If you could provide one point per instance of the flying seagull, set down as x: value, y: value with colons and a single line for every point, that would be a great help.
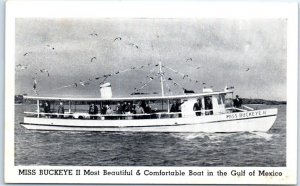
x: 247, y: 69
x: 93, y: 34
x: 185, y: 76
x: 45, y: 70
x: 118, y: 38
x: 51, y: 47
x: 22, y: 67
x: 34, y: 87
x: 134, y: 45
x: 27, y: 53
x: 189, y: 59
x: 93, y: 58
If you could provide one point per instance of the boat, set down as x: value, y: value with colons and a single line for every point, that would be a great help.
x: 217, y: 113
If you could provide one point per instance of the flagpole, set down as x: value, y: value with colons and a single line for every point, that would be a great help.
x: 161, y: 80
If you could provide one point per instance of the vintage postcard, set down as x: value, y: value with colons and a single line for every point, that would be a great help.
x: 128, y: 92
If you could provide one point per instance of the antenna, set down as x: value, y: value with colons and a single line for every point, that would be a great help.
x: 161, y: 80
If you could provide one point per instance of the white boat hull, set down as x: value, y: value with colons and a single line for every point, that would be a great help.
x: 258, y: 120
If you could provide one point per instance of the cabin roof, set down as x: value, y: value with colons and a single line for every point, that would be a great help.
x: 127, y: 98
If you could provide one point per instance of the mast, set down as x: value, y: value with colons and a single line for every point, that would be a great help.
x: 161, y: 80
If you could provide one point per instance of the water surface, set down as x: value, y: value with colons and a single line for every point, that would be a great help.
x: 62, y: 148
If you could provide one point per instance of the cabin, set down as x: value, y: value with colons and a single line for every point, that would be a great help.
x: 213, y: 103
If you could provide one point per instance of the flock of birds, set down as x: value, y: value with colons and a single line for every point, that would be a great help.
x: 93, y: 59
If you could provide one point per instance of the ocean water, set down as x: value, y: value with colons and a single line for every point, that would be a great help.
x: 63, y: 148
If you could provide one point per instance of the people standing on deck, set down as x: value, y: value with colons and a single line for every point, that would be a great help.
x: 143, y: 105
x: 147, y: 109
x: 119, y: 110
x: 109, y: 111
x: 175, y: 107
x: 139, y: 110
x: 124, y: 105
x: 208, y: 106
x: 128, y: 108
x: 103, y: 110
x: 93, y: 110
x: 61, y: 110
x: 197, y: 107
x: 237, y: 102
x: 47, y: 108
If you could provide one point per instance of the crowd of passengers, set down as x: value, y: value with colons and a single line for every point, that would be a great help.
x: 124, y: 108
x: 141, y: 108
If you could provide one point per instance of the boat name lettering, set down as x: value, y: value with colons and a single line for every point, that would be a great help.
x: 246, y: 114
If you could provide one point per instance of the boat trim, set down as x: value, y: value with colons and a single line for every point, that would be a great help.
x: 147, y: 125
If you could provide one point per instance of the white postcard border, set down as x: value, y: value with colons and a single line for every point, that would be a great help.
x: 177, y: 9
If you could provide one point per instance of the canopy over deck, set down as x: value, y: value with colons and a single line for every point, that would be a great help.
x: 127, y: 98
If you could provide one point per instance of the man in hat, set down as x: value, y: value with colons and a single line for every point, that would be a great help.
x: 237, y: 102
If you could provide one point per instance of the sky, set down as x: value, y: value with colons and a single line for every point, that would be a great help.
x: 249, y: 54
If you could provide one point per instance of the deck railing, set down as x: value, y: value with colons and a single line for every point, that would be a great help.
x: 85, y: 115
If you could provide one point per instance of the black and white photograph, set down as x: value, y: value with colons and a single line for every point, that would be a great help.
x: 169, y: 92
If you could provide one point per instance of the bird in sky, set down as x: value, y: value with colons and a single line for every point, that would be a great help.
x: 94, y: 34
x: 34, y: 84
x: 27, y: 53
x: 22, y: 67
x: 185, y: 76
x: 75, y: 84
x: 198, y: 67
x: 50, y: 47
x: 189, y: 59
x: 118, y: 38
x: 134, y: 45
x: 93, y: 58
x: 247, y: 69
x: 45, y: 70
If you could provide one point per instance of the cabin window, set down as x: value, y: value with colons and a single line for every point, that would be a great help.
x: 221, y: 99
x: 228, y: 101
